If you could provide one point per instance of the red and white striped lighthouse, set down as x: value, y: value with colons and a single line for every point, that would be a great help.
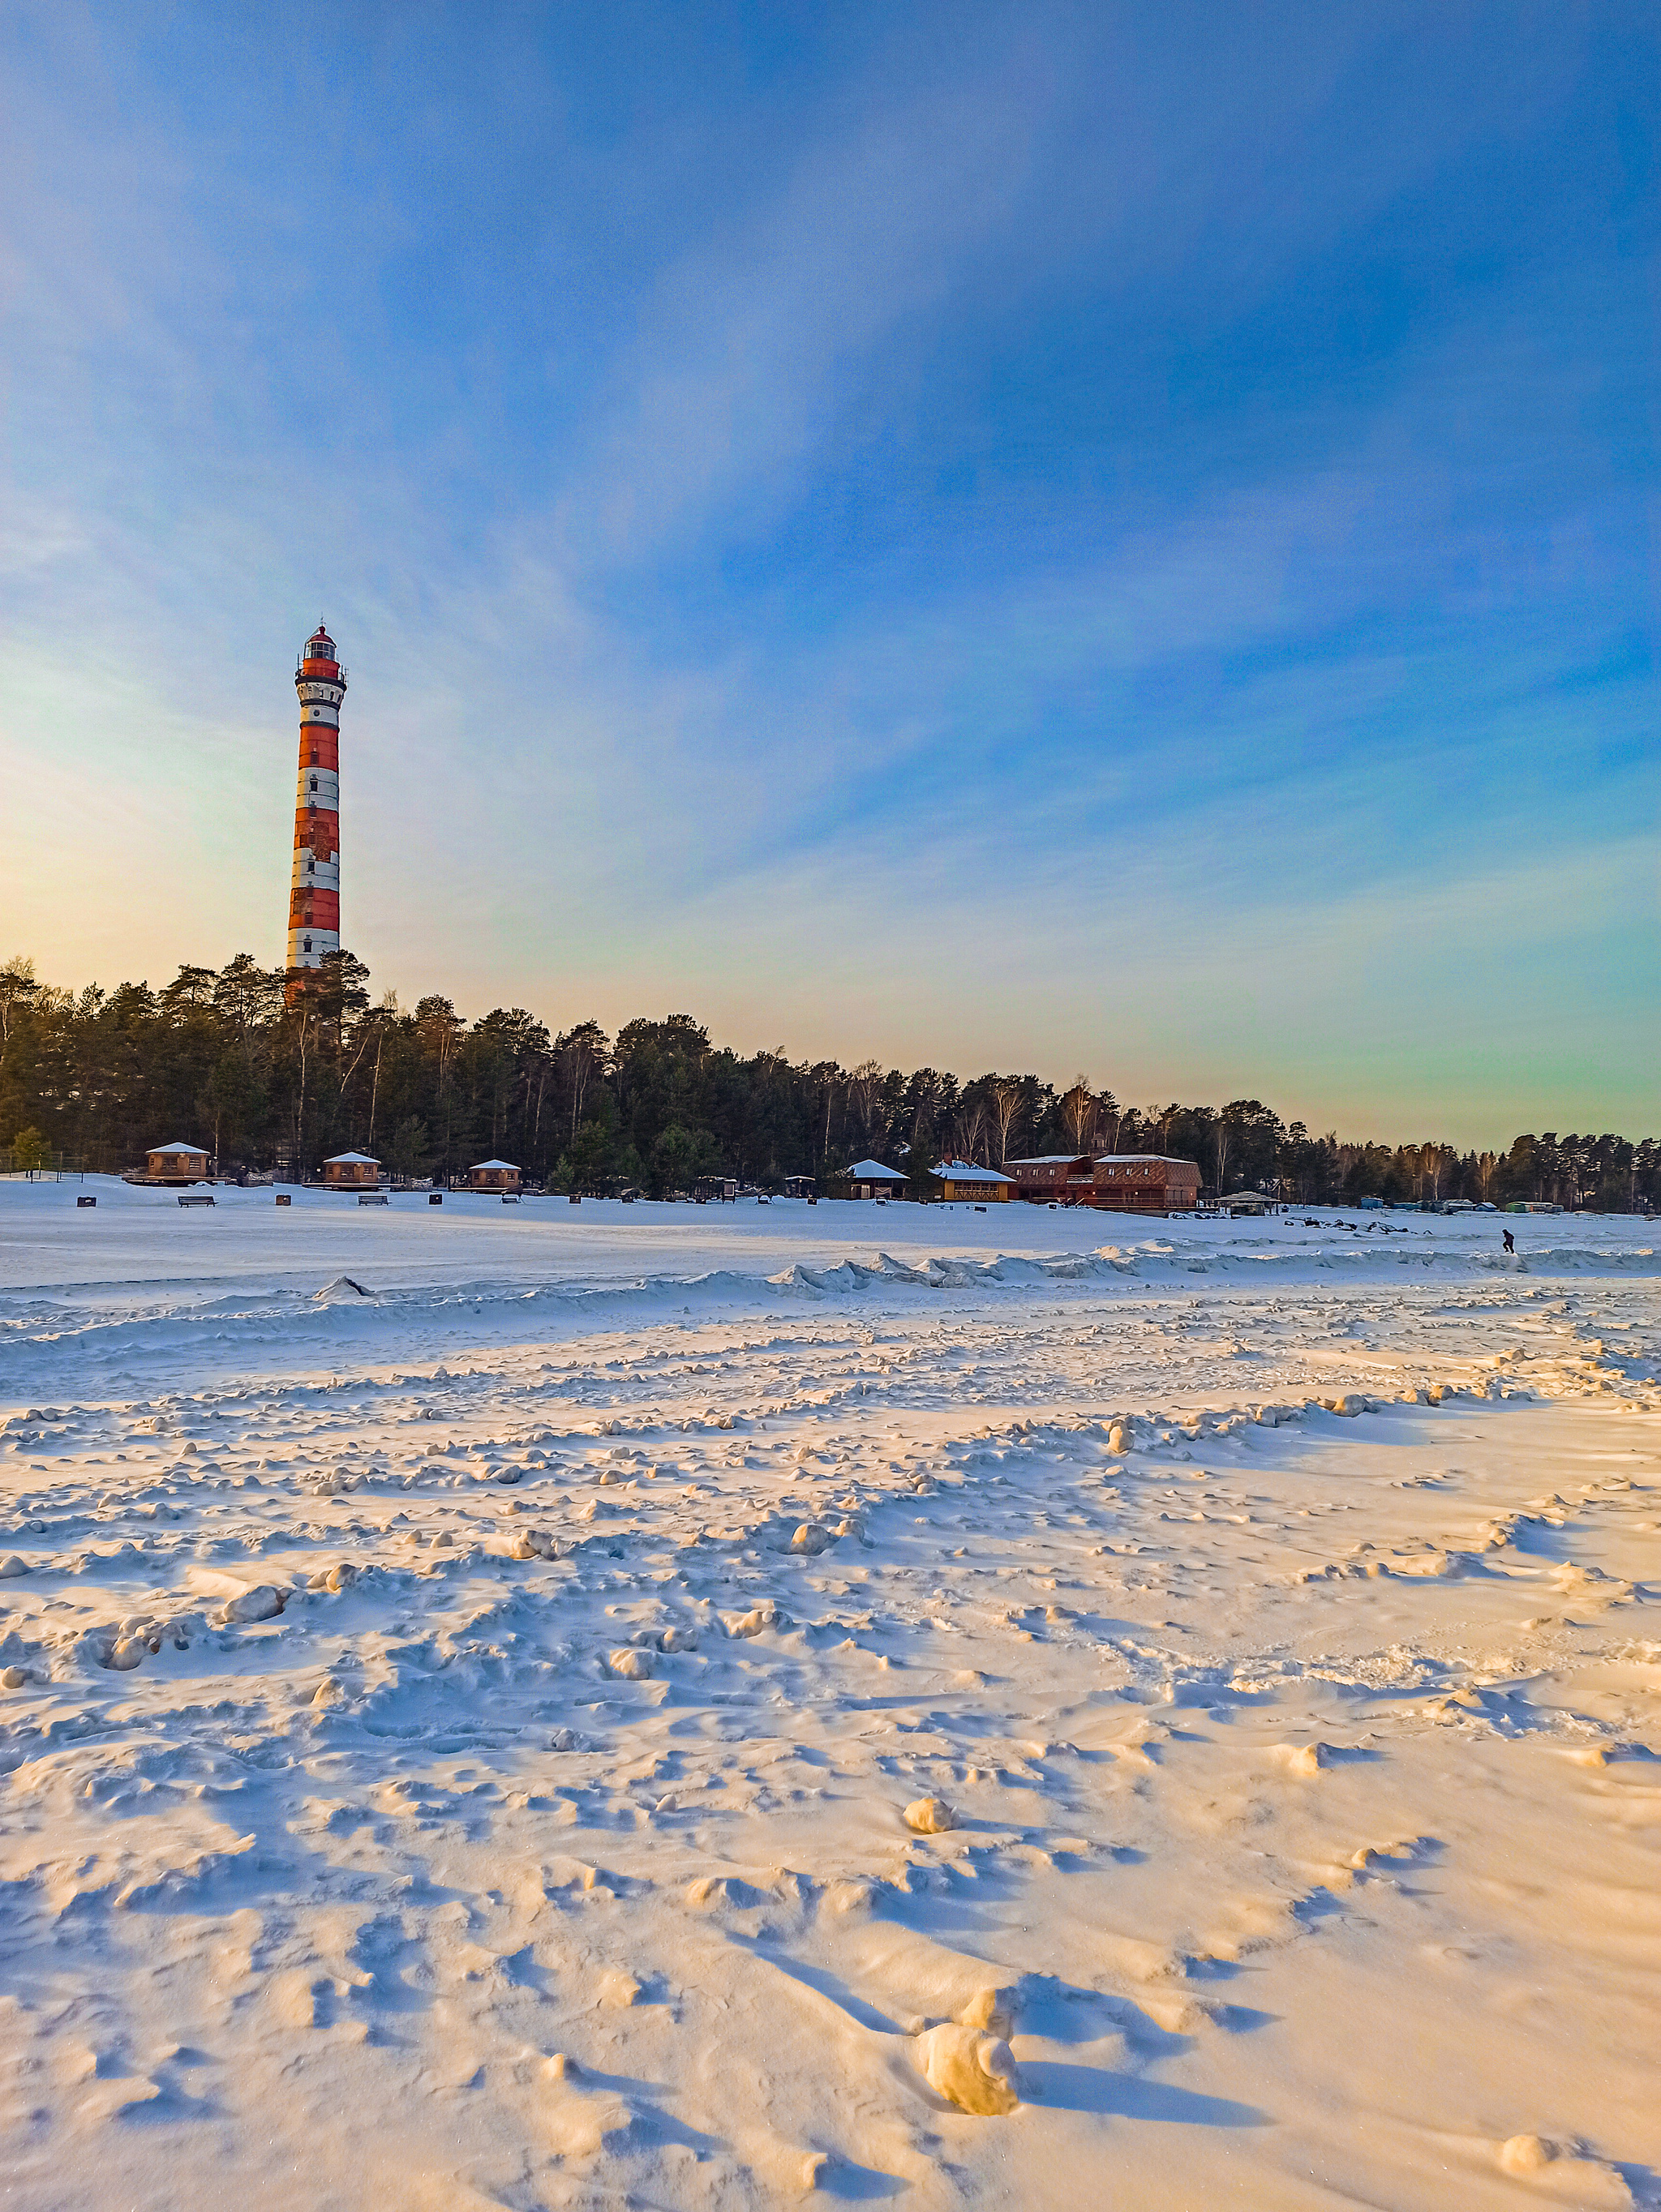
x: 315, y: 895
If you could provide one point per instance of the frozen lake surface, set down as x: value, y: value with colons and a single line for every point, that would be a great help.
x: 466, y: 1668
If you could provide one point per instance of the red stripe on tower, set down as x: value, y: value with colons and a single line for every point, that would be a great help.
x: 315, y: 889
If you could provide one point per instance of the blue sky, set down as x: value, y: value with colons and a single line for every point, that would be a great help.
x: 1105, y: 539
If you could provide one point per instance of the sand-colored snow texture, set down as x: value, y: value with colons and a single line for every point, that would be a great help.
x: 553, y: 1706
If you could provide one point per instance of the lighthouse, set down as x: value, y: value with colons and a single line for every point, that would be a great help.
x: 314, y: 892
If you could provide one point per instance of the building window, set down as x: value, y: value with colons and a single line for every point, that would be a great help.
x: 308, y: 944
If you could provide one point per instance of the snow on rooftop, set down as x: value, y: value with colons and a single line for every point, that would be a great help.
x: 873, y: 1171
x: 479, y: 1166
x: 351, y: 1159
x: 962, y: 1171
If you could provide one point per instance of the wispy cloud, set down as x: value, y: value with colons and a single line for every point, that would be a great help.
x: 1010, y: 490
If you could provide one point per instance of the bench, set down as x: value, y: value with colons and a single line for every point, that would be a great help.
x: 207, y: 1200
x: 373, y: 1198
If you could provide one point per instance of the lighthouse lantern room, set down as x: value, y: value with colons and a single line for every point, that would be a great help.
x: 314, y: 892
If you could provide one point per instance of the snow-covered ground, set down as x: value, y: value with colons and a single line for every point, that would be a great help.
x: 466, y: 1669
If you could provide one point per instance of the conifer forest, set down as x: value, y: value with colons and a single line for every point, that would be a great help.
x: 265, y: 1079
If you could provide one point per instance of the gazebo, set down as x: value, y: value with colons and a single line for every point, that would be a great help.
x: 870, y: 1179
x: 351, y: 1171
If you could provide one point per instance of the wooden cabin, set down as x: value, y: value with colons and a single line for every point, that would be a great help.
x: 492, y: 1174
x: 351, y: 1171
x: 176, y: 1163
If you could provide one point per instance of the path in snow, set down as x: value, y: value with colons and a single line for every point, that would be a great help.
x: 456, y: 1735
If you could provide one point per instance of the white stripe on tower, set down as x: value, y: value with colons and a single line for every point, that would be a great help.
x: 314, y: 884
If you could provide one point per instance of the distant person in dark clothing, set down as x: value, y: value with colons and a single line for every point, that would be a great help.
x: 1511, y: 1244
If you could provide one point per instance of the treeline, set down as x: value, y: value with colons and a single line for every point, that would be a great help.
x: 223, y: 1059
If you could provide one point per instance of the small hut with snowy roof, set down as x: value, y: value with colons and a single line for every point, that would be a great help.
x: 178, y: 1163
x: 492, y: 1174
x: 351, y: 1171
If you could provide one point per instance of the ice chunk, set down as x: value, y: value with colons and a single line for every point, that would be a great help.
x: 972, y: 2069
x: 262, y: 1602
x: 753, y: 1622
x: 990, y: 2010
x: 1308, y: 1758
x: 1526, y: 2153
x: 930, y: 1816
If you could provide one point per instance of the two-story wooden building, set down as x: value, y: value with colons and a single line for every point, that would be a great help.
x: 1052, y: 1178
x: 1144, y: 1183
x: 1121, y: 1183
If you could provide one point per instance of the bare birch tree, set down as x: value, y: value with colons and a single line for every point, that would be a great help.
x: 1006, y: 1106
x: 581, y: 1053
x: 864, y: 1088
x: 969, y: 1130
x: 1079, y: 1109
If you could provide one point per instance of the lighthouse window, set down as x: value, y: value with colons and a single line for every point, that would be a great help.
x: 314, y: 783
x: 308, y: 945
x: 311, y: 867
